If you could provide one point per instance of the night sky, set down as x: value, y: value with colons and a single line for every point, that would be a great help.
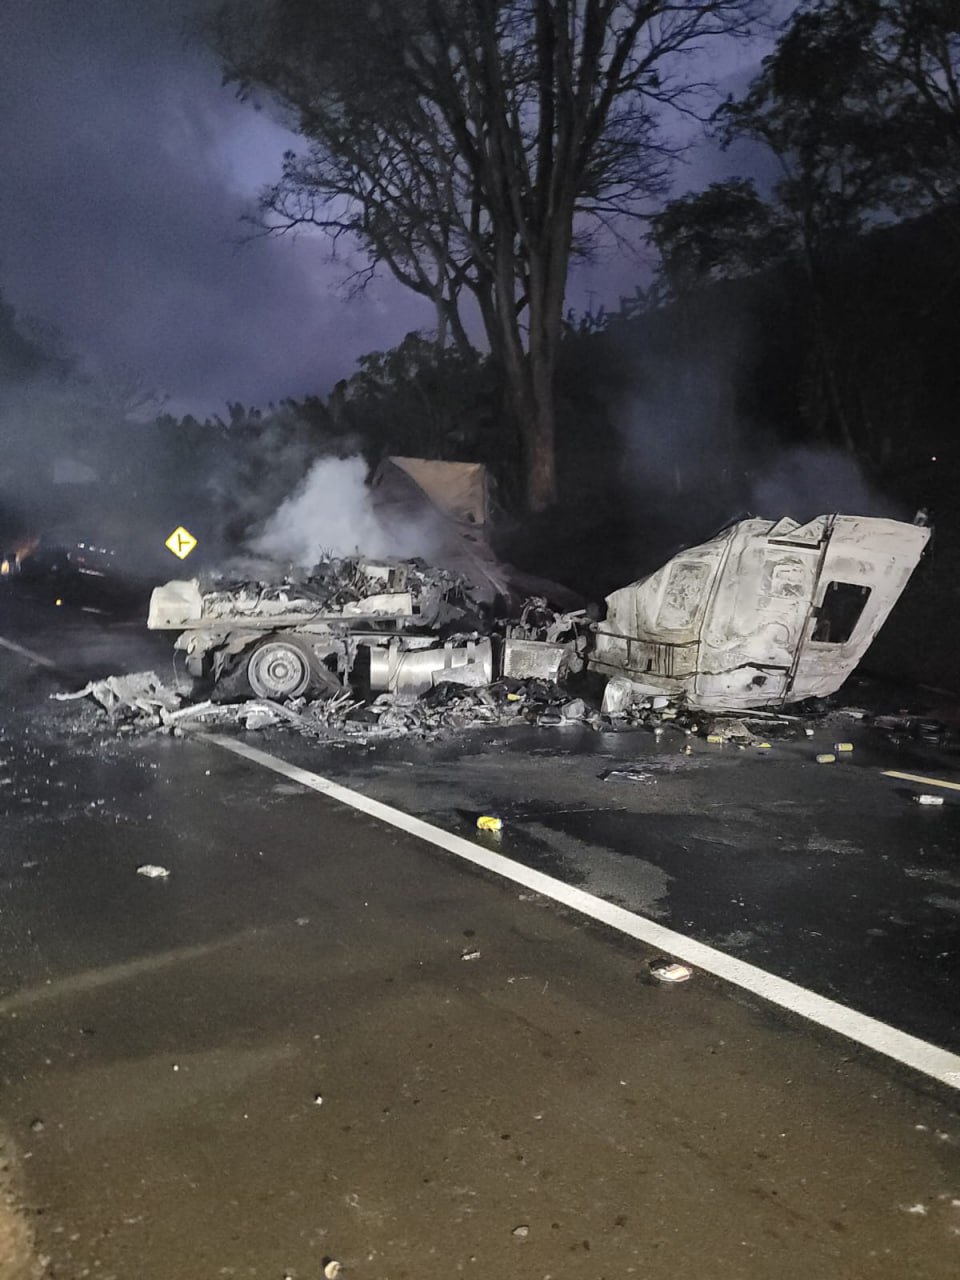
x: 126, y: 169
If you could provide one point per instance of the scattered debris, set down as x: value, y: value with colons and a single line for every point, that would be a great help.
x: 928, y: 799
x: 665, y: 970
x: 826, y: 757
x: 521, y: 1232
x: 840, y: 747
x: 141, y: 691
x: 471, y: 954
x: 487, y: 822
x: 731, y: 729
x: 931, y: 731
x: 153, y: 872
x: 332, y: 1268
x: 628, y: 775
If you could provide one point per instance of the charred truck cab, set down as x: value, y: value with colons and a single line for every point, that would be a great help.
x: 767, y: 612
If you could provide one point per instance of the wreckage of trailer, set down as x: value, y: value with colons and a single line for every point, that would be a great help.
x: 389, y: 626
x: 765, y: 613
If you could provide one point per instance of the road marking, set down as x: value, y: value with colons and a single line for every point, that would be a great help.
x: 922, y: 1056
x: 921, y: 780
x: 36, y: 658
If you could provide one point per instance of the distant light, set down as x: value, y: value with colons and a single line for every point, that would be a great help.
x: 58, y: 602
x: 934, y: 458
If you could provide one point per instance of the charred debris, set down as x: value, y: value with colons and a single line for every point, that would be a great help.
x: 765, y: 615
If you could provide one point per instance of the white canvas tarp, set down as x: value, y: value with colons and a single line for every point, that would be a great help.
x: 459, y: 490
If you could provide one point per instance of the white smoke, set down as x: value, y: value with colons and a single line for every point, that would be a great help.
x: 804, y: 483
x: 332, y: 513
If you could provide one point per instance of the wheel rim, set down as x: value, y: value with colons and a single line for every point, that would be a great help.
x: 278, y: 671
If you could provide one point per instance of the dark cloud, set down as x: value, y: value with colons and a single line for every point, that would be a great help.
x: 126, y: 168
x: 125, y: 171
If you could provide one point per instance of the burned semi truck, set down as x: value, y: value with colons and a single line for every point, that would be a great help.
x: 395, y: 626
x: 765, y: 613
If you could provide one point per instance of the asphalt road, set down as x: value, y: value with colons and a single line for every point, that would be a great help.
x: 830, y: 876
x: 280, y: 1055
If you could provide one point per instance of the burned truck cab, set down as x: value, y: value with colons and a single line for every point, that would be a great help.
x: 767, y: 612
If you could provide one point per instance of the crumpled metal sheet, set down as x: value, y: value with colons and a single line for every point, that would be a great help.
x: 141, y: 691
x: 767, y: 612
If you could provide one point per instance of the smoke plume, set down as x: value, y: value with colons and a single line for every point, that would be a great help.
x: 804, y: 483
x: 332, y: 513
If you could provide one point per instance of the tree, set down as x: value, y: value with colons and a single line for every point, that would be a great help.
x: 474, y: 147
x: 860, y: 104
x: 726, y: 231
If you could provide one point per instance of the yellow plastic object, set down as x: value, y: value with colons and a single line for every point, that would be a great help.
x: 715, y: 738
x: 488, y: 823
x: 826, y: 757
x: 843, y: 746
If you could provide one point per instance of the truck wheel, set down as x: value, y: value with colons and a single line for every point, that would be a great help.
x: 286, y: 667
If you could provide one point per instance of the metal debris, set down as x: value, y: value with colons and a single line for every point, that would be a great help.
x: 142, y: 691
x: 671, y: 971
x: 153, y: 872
x: 628, y: 775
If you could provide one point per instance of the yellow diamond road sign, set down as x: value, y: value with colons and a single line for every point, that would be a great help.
x: 181, y: 542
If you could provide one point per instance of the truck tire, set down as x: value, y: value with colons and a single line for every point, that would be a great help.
x: 283, y: 667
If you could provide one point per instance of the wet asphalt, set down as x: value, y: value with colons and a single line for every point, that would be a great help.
x: 830, y: 876
x: 280, y: 1055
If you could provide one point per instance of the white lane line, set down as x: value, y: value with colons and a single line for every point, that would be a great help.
x: 37, y: 658
x: 921, y: 780
x: 927, y: 1058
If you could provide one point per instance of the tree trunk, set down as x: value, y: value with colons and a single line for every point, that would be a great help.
x: 541, y: 452
x: 540, y: 432
x: 548, y: 278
